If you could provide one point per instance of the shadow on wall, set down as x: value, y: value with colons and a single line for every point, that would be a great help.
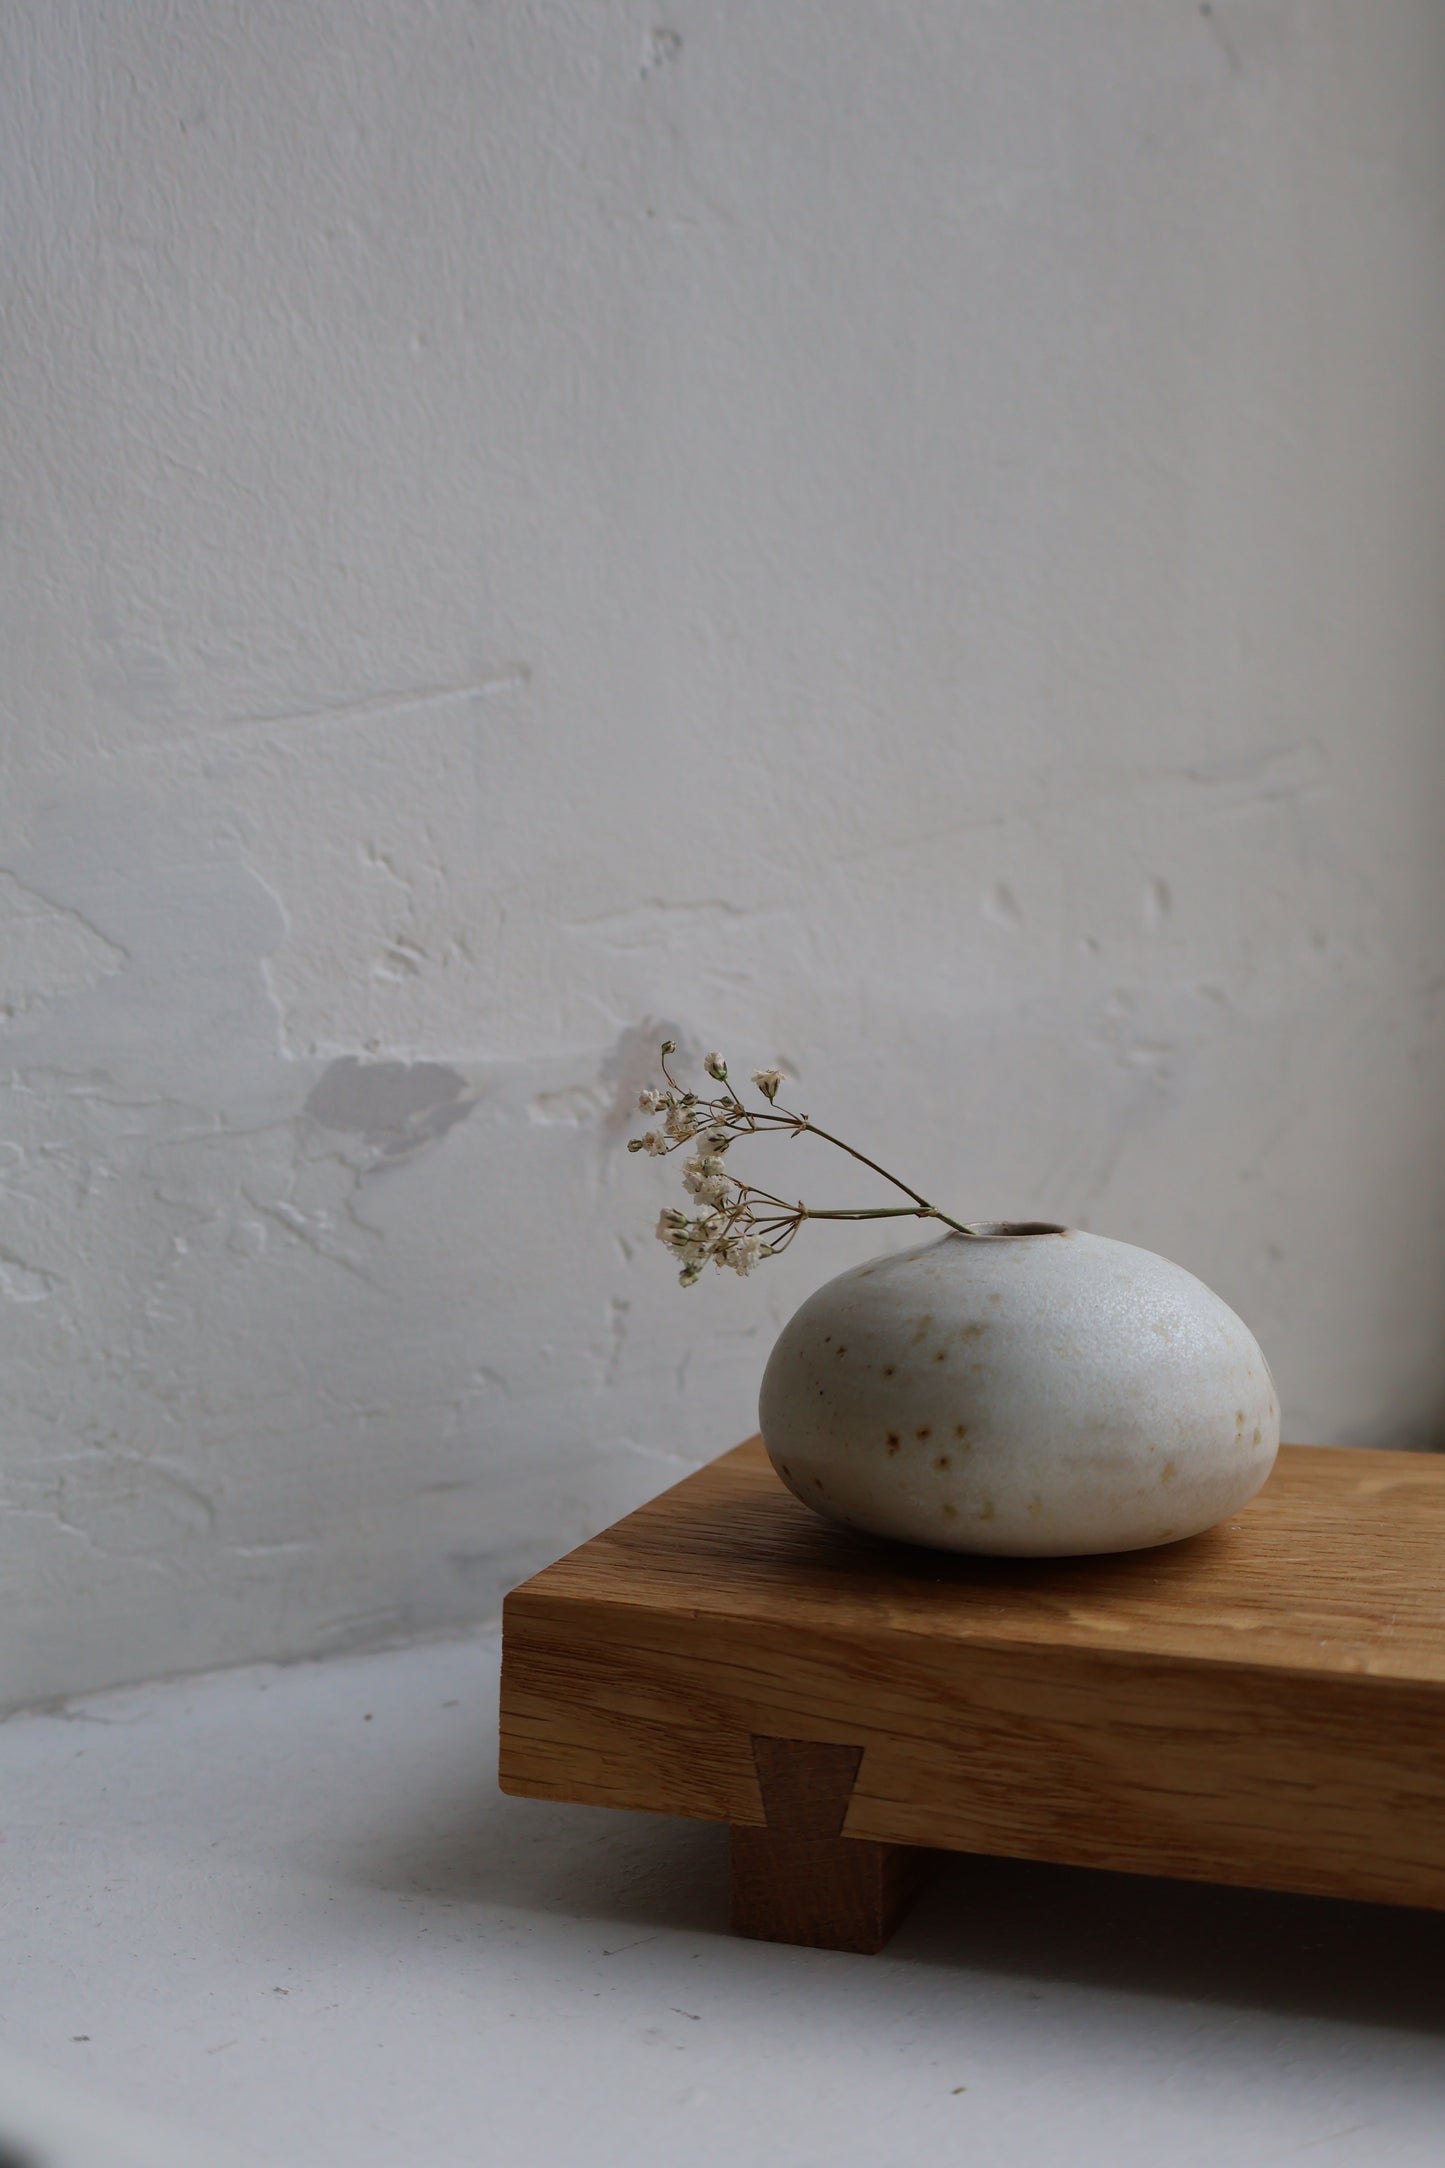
x: 395, y: 1107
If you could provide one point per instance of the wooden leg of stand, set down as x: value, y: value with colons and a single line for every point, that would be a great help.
x: 846, y: 1893
x: 799, y: 1880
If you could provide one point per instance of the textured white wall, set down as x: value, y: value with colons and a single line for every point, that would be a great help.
x: 905, y: 538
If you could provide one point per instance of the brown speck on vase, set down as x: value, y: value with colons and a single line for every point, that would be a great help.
x: 960, y: 1430
x: 817, y: 1482
x: 941, y: 1355
x: 973, y: 1332
x: 1036, y: 1506
x: 1256, y: 1433
x: 842, y: 1351
x: 1168, y: 1472
x: 943, y: 1461
x: 950, y: 1513
x: 888, y: 1369
x: 893, y: 1441
x: 986, y: 1510
x: 925, y: 1432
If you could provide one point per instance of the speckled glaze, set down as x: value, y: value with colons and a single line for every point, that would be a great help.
x: 1037, y: 1393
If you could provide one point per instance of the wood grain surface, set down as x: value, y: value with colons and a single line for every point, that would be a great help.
x: 1263, y: 1704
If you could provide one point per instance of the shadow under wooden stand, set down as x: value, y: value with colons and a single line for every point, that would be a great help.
x: 1262, y: 1705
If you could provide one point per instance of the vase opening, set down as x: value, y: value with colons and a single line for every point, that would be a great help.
x: 996, y: 1230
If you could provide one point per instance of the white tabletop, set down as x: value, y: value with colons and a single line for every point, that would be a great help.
x: 286, y: 1910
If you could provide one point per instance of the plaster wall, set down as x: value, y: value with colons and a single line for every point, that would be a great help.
x: 905, y: 539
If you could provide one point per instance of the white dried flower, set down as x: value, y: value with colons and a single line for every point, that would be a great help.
x: 651, y: 1102
x: 713, y: 1186
x: 689, y: 1275
x: 716, y: 1067
x: 681, y: 1124
x: 671, y: 1226
x: 716, y: 1139
x: 701, y: 1170
x: 654, y: 1143
x: 767, y: 1081
x: 744, y: 1252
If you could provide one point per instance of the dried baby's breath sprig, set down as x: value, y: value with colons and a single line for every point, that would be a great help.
x: 735, y: 1223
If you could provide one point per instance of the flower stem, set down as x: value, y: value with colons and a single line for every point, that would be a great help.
x: 887, y: 1211
x: 779, y: 1118
x: 925, y: 1209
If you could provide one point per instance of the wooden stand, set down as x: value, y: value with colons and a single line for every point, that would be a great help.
x: 1262, y: 1705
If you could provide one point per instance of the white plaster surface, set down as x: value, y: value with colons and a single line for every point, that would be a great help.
x: 289, y: 1910
x: 905, y: 539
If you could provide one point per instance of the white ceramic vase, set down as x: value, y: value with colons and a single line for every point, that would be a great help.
x: 1031, y: 1391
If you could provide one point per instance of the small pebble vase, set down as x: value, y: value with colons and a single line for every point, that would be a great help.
x: 1027, y: 1390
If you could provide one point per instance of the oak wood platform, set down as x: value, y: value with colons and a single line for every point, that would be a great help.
x: 1264, y: 1704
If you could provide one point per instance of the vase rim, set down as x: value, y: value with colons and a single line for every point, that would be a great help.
x: 1007, y: 1230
